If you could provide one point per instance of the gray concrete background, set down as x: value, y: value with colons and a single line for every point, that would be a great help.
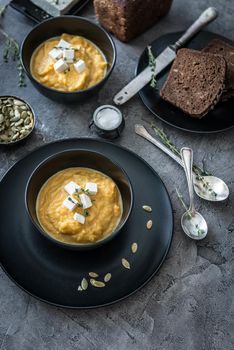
x: 189, y: 304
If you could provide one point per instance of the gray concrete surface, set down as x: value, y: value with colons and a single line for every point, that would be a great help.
x: 189, y: 304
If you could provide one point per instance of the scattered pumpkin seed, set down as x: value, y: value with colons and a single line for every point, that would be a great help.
x: 149, y: 224
x: 134, y: 247
x: 107, y: 277
x: 93, y: 274
x: 84, y: 284
x: 126, y: 263
x: 147, y: 208
x: 98, y: 284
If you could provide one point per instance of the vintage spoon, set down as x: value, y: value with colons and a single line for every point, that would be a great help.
x: 216, y: 190
x: 192, y: 222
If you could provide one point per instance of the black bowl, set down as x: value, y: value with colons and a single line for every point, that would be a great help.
x: 78, y: 158
x: 71, y: 25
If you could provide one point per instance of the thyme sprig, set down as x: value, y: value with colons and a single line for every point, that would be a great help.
x: 152, y: 65
x: 199, y: 172
x: 11, y: 51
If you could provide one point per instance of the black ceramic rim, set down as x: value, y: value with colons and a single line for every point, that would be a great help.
x: 147, y: 280
x: 143, y: 95
x: 69, y: 92
x: 84, y: 245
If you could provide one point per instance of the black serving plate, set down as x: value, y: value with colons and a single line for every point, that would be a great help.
x: 53, y: 274
x: 221, y: 118
x: 38, y: 15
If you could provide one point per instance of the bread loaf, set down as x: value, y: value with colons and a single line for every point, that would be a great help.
x: 219, y: 47
x: 128, y: 18
x: 195, y: 82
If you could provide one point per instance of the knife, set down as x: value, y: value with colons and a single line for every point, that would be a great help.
x: 165, y: 58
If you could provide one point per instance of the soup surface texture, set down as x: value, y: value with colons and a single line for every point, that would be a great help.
x: 101, y: 218
x: 92, y: 70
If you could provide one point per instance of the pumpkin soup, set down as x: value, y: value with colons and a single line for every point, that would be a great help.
x: 79, y: 205
x: 68, y: 63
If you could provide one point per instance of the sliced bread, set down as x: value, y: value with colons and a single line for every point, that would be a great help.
x: 195, y: 82
x: 218, y: 46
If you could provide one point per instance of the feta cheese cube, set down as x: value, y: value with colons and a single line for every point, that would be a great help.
x: 79, y: 218
x: 72, y: 188
x: 80, y: 66
x: 85, y: 200
x: 70, y: 203
x: 68, y: 55
x: 60, y: 66
x: 63, y: 44
x: 91, y: 187
x: 55, y: 53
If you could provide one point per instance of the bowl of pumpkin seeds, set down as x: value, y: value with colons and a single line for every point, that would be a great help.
x: 17, y: 120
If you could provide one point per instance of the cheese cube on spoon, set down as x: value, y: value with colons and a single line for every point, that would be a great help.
x: 55, y: 53
x: 68, y: 55
x: 72, y: 188
x: 63, y: 44
x: 80, y: 66
x: 79, y: 218
x: 91, y: 187
x: 85, y: 200
x: 70, y: 203
x: 60, y: 66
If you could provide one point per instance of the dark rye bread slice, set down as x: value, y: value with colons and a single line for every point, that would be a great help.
x: 219, y: 47
x: 195, y: 82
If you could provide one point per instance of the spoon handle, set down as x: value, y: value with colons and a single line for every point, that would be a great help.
x: 140, y: 130
x: 187, y: 158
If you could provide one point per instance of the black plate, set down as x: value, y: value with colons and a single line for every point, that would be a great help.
x: 38, y: 15
x: 52, y: 274
x: 221, y: 118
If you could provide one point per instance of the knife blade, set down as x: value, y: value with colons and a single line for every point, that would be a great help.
x: 166, y: 57
x: 163, y: 60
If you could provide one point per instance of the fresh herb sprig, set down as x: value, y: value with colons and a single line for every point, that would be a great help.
x: 199, y: 172
x: 152, y: 65
x: 11, y: 51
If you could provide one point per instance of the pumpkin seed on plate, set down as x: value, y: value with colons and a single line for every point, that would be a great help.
x: 126, y: 263
x: 97, y: 284
x: 107, y: 277
x: 149, y: 224
x: 93, y: 274
x: 84, y: 284
x: 134, y: 248
x: 147, y: 208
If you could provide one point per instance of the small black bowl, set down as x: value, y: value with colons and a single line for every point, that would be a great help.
x: 76, y: 26
x: 78, y: 158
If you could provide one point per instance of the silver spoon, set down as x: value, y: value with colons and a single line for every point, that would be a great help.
x: 192, y: 222
x: 216, y: 190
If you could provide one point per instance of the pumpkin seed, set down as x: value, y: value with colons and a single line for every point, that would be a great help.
x: 149, y: 224
x: 107, y: 277
x: 18, y: 103
x: 84, y: 284
x: 97, y: 284
x: 24, y: 114
x: 147, y: 208
x: 15, y: 136
x: 134, y: 248
x: 1, y: 119
x: 126, y: 263
x: 93, y: 274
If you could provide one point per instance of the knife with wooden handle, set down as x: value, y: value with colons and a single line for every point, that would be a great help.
x: 165, y: 58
